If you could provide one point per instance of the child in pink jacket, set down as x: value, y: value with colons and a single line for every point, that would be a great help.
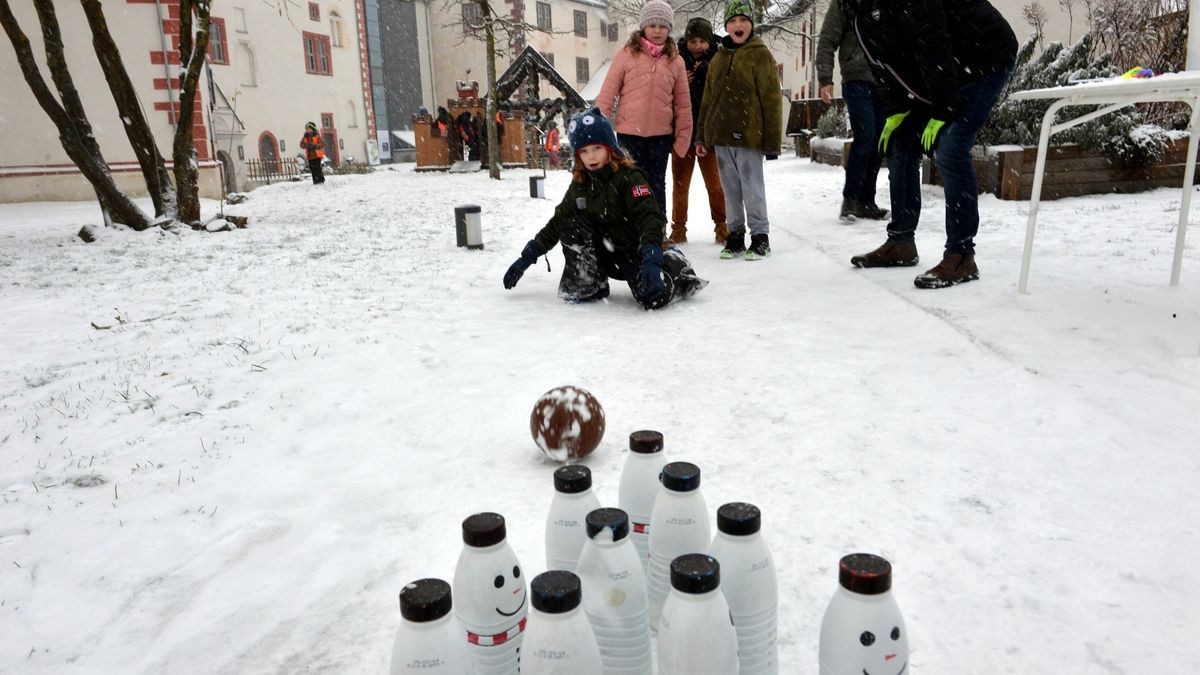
x: 648, y: 83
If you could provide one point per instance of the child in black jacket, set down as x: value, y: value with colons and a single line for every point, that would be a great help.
x: 610, y: 226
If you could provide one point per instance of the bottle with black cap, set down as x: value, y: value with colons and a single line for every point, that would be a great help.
x: 696, y: 636
x: 863, y: 631
x: 489, y: 595
x: 565, y: 532
x: 614, y: 594
x: 639, y: 486
x: 559, y: 640
x: 678, y: 524
x: 429, y: 639
x: 750, y: 586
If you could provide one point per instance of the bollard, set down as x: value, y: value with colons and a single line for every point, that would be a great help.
x: 467, y: 226
x: 537, y: 187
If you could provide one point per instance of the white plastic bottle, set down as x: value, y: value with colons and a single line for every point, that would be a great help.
x: 678, y: 525
x: 490, y: 594
x: 614, y: 594
x: 696, y: 637
x: 565, y: 532
x: 429, y: 639
x: 750, y: 586
x: 559, y: 640
x: 639, y: 486
x: 863, y: 630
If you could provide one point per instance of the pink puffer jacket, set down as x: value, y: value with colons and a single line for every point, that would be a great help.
x: 654, y: 97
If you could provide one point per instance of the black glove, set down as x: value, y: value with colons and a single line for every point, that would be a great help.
x: 772, y: 156
x: 649, y: 282
x: 529, y: 256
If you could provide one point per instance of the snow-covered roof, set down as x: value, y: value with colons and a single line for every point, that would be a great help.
x: 592, y: 89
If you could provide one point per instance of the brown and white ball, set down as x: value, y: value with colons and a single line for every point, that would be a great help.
x: 567, y: 423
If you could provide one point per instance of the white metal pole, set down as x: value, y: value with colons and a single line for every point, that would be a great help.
x: 1035, y: 196
x: 1189, y: 178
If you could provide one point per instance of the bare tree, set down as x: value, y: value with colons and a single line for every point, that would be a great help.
x: 1035, y: 15
x: 181, y: 202
x: 192, y: 53
x: 1068, y: 6
x: 74, y: 129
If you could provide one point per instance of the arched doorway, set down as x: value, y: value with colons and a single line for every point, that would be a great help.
x: 268, y: 150
x: 227, y: 171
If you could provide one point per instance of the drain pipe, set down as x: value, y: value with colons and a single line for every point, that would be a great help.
x: 429, y: 51
x: 162, y: 40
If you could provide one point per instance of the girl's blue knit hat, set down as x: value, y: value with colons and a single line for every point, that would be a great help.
x: 590, y: 127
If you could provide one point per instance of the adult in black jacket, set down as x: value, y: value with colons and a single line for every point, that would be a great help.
x: 941, y: 65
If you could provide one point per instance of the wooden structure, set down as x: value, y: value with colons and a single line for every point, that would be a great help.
x: 1070, y: 171
x: 433, y: 148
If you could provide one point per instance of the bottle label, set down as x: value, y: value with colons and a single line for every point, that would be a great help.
x: 424, y: 664
x: 641, y: 528
x: 566, y: 523
x: 552, y: 654
x: 681, y: 521
x: 760, y: 566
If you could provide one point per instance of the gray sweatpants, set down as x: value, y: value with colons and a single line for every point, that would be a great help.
x: 745, y: 192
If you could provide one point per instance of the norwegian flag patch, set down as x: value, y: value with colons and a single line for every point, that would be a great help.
x: 641, y: 190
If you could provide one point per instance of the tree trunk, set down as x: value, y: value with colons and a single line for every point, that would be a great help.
x: 137, y: 129
x: 74, y: 131
x: 492, y: 107
x: 191, y: 58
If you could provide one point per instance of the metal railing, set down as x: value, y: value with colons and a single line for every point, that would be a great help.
x: 272, y: 170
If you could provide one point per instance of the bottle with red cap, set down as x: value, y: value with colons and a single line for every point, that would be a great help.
x: 565, y: 531
x: 614, y: 594
x: 639, y: 486
x: 429, y: 639
x: 489, y: 595
x: 678, y: 524
x: 750, y: 586
x: 696, y: 636
x: 559, y: 640
x: 863, y: 630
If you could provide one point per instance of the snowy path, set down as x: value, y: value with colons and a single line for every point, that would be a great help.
x: 284, y: 424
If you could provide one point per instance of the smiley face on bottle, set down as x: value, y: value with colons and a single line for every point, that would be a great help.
x: 491, y: 589
x: 884, y: 652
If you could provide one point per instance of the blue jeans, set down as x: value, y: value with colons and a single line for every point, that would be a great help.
x: 866, y: 121
x: 953, y: 157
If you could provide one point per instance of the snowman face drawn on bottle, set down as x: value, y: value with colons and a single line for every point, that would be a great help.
x: 882, y: 645
x: 496, y: 589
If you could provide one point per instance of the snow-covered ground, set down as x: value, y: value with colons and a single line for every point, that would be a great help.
x: 226, y: 453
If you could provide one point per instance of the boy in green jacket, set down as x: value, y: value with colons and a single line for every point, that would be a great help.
x: 610, y: 225
x: 741, y: 117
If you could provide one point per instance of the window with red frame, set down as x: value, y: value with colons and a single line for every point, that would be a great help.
x: 218, y: 46
x: 317, y: 59
x: 314, y: 11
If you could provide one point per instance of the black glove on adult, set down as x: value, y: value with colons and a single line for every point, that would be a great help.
x: 529, y: 256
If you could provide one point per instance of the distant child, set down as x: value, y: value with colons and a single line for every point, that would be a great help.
x: 654, y: 114
x: 610, y: 227
x: 697, y: 47
x: 551, y: 145
x: 314, y: 152
x: 742, y: 118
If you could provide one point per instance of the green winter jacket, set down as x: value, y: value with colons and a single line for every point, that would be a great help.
x: 743, y: 104
x: 838, y: 34
x: 618, y: 204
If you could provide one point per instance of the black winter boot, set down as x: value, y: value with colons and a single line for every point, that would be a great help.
x: 850, y: 210
x: 760, y: 247
x: 582, y: 279
x: 676, y: 265
x: 735, y: 245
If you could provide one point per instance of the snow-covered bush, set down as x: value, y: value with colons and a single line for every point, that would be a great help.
x: 834, y: 123
x: 1123, y: 135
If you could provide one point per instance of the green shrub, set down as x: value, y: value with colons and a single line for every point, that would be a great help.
x: 834, y: 123
x: 1123, y: 135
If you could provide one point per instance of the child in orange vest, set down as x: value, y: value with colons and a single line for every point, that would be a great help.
x: 314, y: 149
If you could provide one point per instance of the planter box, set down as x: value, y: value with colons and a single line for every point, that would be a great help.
x: 832, y: 151
x: 1007, y: 171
